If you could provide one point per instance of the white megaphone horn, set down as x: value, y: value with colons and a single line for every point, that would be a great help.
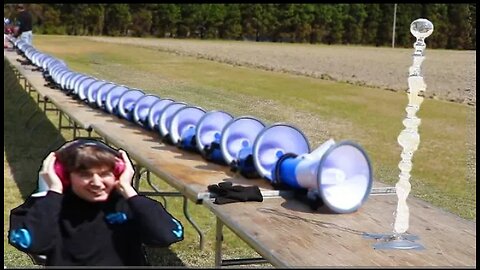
x: 236, y: 143
x: 337, y: 174
x: 166, y: 117
x: 142, y: 108
x: 183, y: 126
x: 275, y: 141
x: 155, y: 111
x: 208, y: 134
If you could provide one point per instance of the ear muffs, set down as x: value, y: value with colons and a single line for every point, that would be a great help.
x: 60, y: 168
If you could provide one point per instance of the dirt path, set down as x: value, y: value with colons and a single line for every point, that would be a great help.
x: 450, y: 75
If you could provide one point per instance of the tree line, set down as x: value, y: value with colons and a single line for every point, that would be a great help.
x: 362, y: 24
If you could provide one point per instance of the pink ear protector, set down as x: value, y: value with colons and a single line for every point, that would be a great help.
x: 60, y: 168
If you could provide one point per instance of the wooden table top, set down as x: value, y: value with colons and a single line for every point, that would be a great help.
x: 289, y: 234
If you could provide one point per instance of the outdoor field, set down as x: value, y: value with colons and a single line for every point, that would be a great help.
x: 339, y: 92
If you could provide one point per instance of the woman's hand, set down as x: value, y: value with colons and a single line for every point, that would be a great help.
x: 124, y: 183
x: 48, y: 174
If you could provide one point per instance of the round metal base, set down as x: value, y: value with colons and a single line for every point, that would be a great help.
x: 392, y: 241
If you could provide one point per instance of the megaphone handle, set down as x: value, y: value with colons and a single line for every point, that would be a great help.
x: 314, y: 202
x: 247, y: 169
x: 167, y: 139
x: 276, y: 179
x: 233, y: 166
x: 208, y: 150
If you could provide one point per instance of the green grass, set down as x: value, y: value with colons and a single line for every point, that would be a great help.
x: 23, y: 153
x: 322, y: 109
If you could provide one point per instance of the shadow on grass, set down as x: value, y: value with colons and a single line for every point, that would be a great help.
x: 163, y: 257
x: 28, y: 134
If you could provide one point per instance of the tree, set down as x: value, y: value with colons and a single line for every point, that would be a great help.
x: 371, y: 24
x: 406, y: 14
x: 93, y: 19
x: 210, y: 20
x: 335, y: 27
x: 473, y: 21
x: 438, y: 15
x: 384, y: 30
x: 460, y: 27
x: 188, y: 21
x: 231, y: 28
x: 354, y: 23
x: 296, y: 22
x: 141, y: 21
x: 252, y: 15
x: 70, y: 17
x: 165, y: 20
x: 117, y: 19
x: 46, y: 18
x: 322, y: 17
x: 367, y: 24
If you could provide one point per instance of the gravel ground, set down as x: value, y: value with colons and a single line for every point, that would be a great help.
x: 450, y: 75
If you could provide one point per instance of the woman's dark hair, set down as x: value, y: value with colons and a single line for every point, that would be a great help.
x: 85, y: 154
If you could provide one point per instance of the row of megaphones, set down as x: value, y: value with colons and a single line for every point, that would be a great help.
x: 337, y: 174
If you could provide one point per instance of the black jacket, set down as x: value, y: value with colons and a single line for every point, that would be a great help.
x: 72, y: 231
x: 24, y: 22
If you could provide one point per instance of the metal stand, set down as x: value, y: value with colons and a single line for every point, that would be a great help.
x: 409, y: 139
x: 163, y: 194
x: 391, y: 241
x: 229, y: 262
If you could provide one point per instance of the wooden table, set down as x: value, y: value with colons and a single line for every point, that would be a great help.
x: 287, y: 233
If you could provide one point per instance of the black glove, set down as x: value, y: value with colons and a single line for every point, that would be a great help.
x: 227, y: 193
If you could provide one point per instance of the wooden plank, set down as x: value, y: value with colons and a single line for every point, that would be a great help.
x: 288, y: 234
x: 25, y: 70
x: 84, y: 115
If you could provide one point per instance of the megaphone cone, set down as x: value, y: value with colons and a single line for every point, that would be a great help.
x: 236, y: 143
x: 75, y: 83
x: 165, y: 119
x: 81, y: 92
x: 208, y: 134
x: 272, y: 143
x: 155, y: 112
x: 183, y: 127
x: 65, y: 78
x: 340, y: 175
x: 92, y: 91
x: 126, y: 103
x: 102, y: 94
x: 71, y: 81
x: 142, y: 108
x: 112, y: 98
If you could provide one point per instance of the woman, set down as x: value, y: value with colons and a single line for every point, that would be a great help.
x: 91, y: 214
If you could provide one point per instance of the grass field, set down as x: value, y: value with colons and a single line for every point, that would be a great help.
x: 450, y: 74
x: 321, y: 109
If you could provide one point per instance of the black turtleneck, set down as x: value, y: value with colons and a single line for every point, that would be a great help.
x: 24, y: 21
x: 71, y: 231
